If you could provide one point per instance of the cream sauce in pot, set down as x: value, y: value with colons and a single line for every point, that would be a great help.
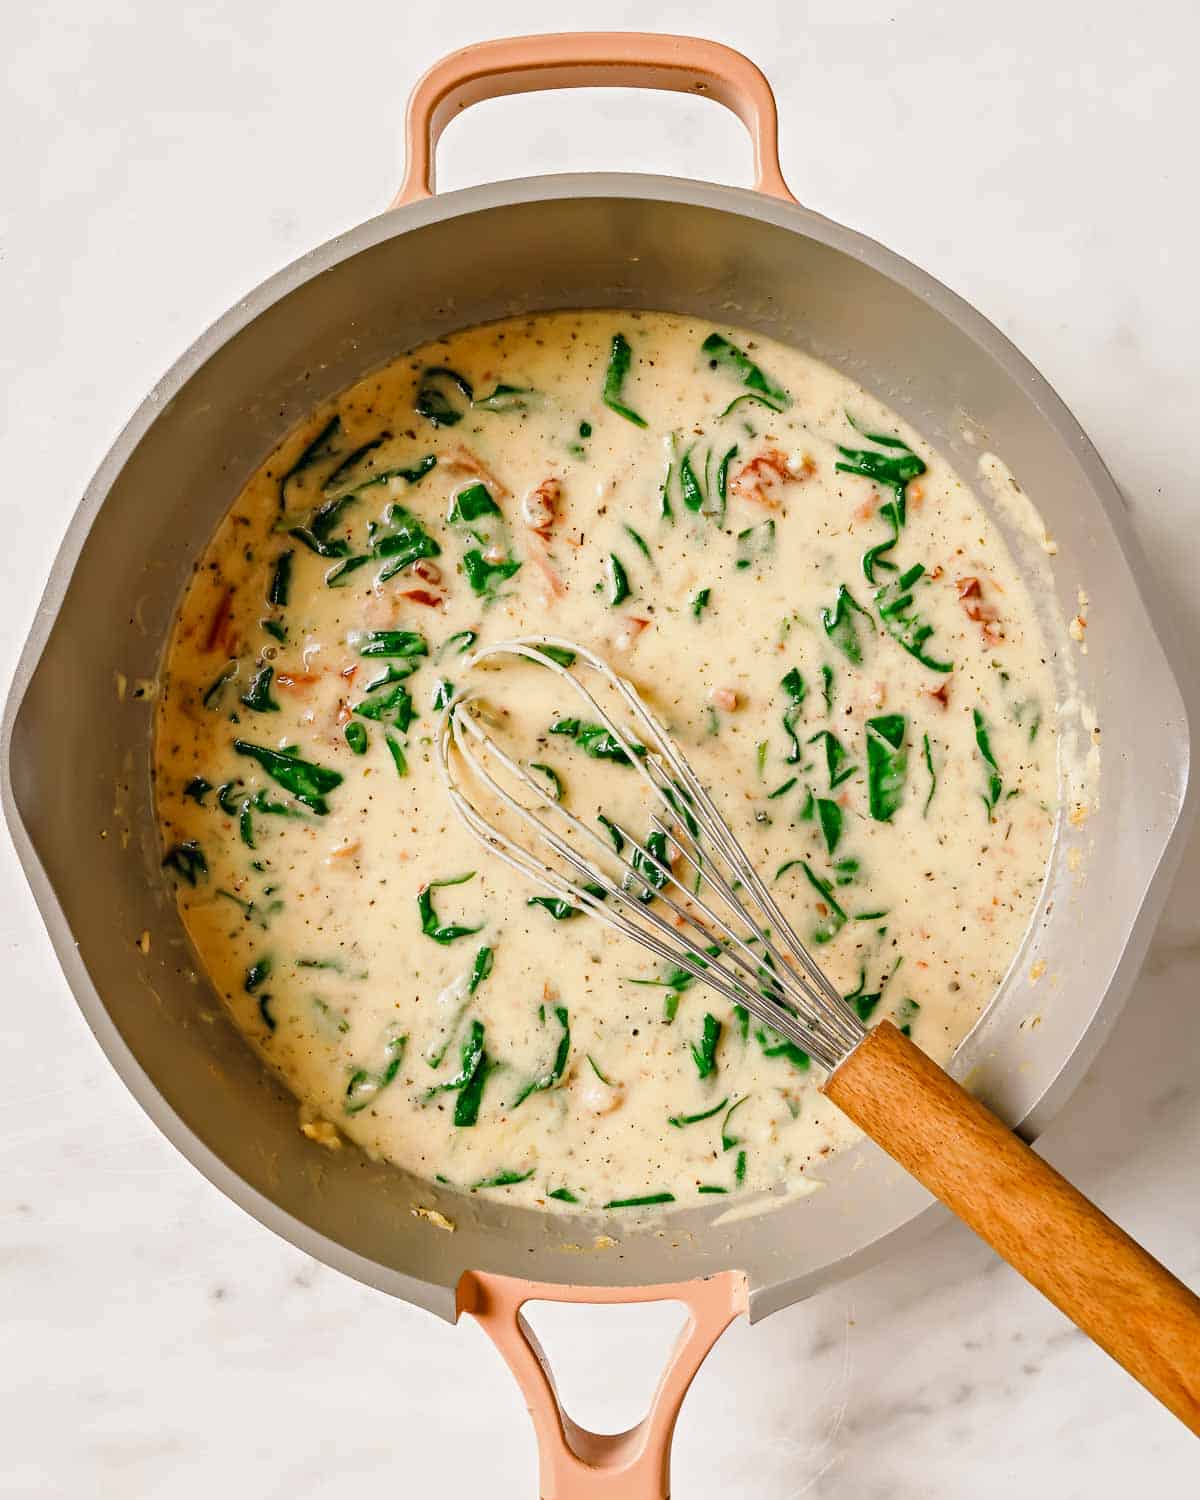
x: 810, y: 597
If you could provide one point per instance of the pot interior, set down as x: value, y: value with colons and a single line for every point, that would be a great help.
x: 79, y: 764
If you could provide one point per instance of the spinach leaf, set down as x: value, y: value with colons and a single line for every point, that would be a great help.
x: 471, y: 503
x: 699, y: 602
x: 258, y: 695
x: 557, y: 1067
x: 647, y: 1200
x: 835, y: 758
x: 829, y: 814
x: 619, y: 359
x: 507, y: 1178
x: 840, y: 627
x: 995, y: 784
x: 434, y: 401
x: 648, y: 869
x: 256, y: 976
x: 679, y: 1121
x: 832, y: 923
x: 401, y: 539
x: 933, y: 780
x: 892, y: 470
x: 281, y: 579
x: 755, y: 542
x: 364, y: 1087
x: 595, y: 740
x: 827, y: 687
x: 197, y: 789
x: 704, y: 1052
x: 443, y: 933
x: 215, y: 690
x: 720, y: 351
x: 339, y: 575
x: 349, y: 464
x: 356, y: 737
x: 894, y: 602
x: 552, y: 776
x: 463, y: 639
x: 388, y: 701
x: 887, y: 765
x: 472, y: 1059
x: 728, y: 1141
x: 618, y: 581
x: 483, y: 575
x: 392, y: 643
x: 557, y: 654
x: 321, y: 447
x: 307, y: 782
x: 505, y: 398
x: 794, y: 686
x: 774, y: 1045
x: 187, y: 860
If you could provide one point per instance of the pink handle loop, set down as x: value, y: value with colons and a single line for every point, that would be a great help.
x: 576, y: 1464
x: 589, y: 59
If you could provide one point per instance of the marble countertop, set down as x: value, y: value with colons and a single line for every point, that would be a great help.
x: 161, y: 160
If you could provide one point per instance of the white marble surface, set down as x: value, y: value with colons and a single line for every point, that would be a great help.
x: 159, y: 160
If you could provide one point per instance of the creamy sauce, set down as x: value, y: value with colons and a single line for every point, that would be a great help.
x: 305, y: 892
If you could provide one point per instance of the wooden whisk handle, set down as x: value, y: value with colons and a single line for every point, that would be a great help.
x: 1109, y: 1287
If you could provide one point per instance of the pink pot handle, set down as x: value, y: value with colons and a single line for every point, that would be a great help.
x: 589, y: 59
x: 576, y: 1464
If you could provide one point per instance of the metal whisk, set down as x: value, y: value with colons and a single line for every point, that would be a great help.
x: 728, y: 930
x: 693, y: 898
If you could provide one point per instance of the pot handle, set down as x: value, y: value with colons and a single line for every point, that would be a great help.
x: 589, y: 59
x: 573, y: 1463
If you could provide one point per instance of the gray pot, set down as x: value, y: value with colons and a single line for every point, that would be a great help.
x: 77, y: 753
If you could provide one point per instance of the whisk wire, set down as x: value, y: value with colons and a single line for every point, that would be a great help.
x: 750, y: 968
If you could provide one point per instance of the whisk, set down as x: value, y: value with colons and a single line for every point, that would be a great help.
x: 688, y: 892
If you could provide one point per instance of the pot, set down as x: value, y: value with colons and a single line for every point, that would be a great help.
x: 410, y: 275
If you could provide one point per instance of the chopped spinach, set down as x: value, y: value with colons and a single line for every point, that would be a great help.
x: 837, y: 761
x: 894, y: 601
x: 840, y: 626
x: 704, y: 1052
x: 388, y: 701
x: 392, y: 643
x: 280, y: 586
x: 258, y: 695
x: 887, y: 764
x: 595, y: 740
x: 646, y: 1200
x: 307, y: 782
x: 187, y: 860
x: 794, y: 687
x: 434, y: 401
x: 471, y: 503
x: 755, y: 542
x: 619, y: 359
x: 483, y: 575
x: 551, y: 1076
x: 442, y: 933
x: 618, y: 581
x: 720, y: 351
x: 835, y: 919
x: 995, y: 783
x: 679, y: 1121
x: 933, y: 780
x: 364, y: 1087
